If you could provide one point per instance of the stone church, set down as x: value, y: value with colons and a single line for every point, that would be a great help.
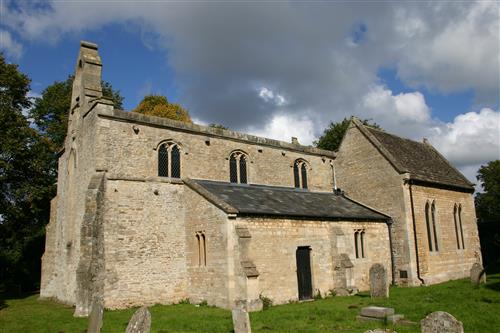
x: 151, y: 210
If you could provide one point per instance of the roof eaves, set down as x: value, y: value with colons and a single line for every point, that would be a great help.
x: 379, y: 146
x: 228, y: 209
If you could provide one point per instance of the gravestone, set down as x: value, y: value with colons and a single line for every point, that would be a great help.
x: 140, y: 321
x: 477, y: 275
x: 441, y: 322
x: 379, y: 286
x: 241, y: 321
x: 95, y: 318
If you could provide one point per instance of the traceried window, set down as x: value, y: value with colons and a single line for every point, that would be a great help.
x: 430, y: 221
x: 169, y: 160
x: 300, y: 173
x: 459, y: 233
x: 238, y: 168
x: 359, y: 243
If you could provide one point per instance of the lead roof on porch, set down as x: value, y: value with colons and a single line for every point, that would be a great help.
x: 243, y: 199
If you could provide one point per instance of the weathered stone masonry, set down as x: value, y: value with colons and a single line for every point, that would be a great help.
x: 123, y: 236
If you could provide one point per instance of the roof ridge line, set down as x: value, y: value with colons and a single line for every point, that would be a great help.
x: 379, y: 146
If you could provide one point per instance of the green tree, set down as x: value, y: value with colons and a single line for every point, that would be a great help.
x: 159, y: 106
x: 488, y: 214
x: 26, y: 183
x: 333, y: 135
x: 50, y: 111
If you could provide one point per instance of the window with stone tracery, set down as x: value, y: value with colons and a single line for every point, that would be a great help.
x: 300, y: 173
x: 169, y: 160
x: 238, y: 168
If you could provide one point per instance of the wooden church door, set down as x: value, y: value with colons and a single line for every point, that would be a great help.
x: 303, y: 256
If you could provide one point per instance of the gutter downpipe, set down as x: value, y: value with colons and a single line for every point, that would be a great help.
x: 393, y: 267
x: 415, y: 234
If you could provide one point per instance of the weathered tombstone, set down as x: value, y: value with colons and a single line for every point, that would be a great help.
x: 95, y: 318
x: 379, y: 286
x: 140, y: 321
x: 477, y: 275
x: 241, y: 321
x: 441, y: 322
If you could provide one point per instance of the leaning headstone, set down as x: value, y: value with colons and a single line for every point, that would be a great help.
x: 477, y: 275
x: 140, y: 321
x: 95, y: 318
x: 241, y: 321
x: 441, y: 322
x: 379, y: 286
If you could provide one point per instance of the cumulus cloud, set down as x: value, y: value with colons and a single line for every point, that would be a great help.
x: 285, y: 69
x: 9, y: 45
x: 471, y: 138
x: 269, y: 96
x: 283, y: 127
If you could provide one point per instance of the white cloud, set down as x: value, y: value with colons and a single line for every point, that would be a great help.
x: 269, y: 96
x: 472, y: 138
x: 300, y: 59
x: 402, y: 113
x: 283, y: 127
x: 9, y: 45
x: 451, y: 48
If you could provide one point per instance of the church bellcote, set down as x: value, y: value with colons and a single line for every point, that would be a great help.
x: 87, y: 84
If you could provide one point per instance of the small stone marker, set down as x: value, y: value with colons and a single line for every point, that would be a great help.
x: 95, y: 318
x: 379, y: 286
x: 378, y: 313
x: 140, y: 321
x: 477, y: 275
x: 241, y: 321
x: 380, y: 330
x: 441, y: 322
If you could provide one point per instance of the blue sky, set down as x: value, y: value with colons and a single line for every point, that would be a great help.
x: 282, y: 69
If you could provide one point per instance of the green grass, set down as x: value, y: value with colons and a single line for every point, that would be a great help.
x: 478, y: 309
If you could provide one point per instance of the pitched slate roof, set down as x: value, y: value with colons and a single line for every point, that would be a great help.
x: 243, y: 199
x: 421, y: 160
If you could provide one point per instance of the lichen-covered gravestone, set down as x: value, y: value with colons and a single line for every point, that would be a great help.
x: 95, y: 318
x: 140, y: 321
x: 379, y: 286
x: 241, y: 321
x: 477, y: 275
x: 441, y: 322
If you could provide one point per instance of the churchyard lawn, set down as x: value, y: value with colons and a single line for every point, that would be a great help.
x: 478, y: 309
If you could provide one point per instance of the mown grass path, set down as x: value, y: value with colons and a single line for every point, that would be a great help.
x: 478, y: 309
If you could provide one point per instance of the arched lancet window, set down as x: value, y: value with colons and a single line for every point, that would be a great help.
x: 359, y: 243
x: 202, y: 248
x: 460, y: 225
x: 455, y: 220
x: 238, y: 168
x: 429, y: 228
x: 169, y: 160
x: 433, y: 209
x: 300, y: 174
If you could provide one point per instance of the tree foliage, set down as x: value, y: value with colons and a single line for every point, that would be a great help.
x: 159, y: 106
x: 26, y: 183
x: 50, y: 111
x: 488, y: 214
x: 333, y: 135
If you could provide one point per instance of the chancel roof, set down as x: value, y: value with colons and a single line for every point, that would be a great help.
x: 420, y: 159
x: 244, y: 199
